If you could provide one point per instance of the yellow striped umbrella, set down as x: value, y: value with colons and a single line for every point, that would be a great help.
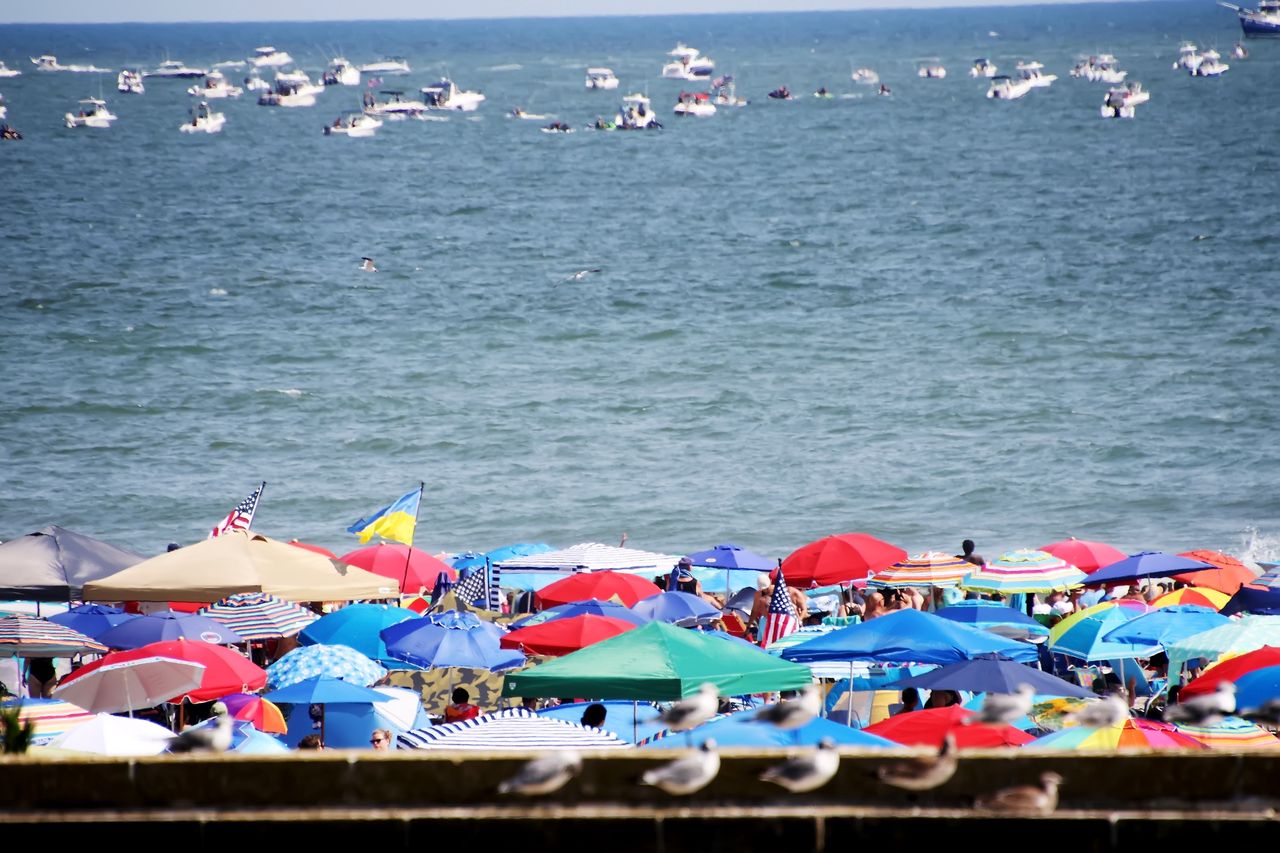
x: 932, y: 568
x: 51, y: 717
x: 1232, y: 733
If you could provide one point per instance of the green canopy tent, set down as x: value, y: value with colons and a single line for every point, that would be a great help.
x: 658, y: 662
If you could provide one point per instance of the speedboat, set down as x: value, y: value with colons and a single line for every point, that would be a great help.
x: 355, y: 125
x: 93, y: 113
x: 49, y: 62
x: 688, y: 64
x: 231, y: 63
x: 445, y: 95
x: 215, y: 86
x: 1121, y: 101
x: 254, y: 83
x: 287, y: 95
x: 983, y: 67
x: 865, y: 76
x: 782, y: 93
x: 695, y: 104
x: 1099, y: 69
x: 203, y: 120
x: 8, y: 72
x: 1263, y: 21
x: 726, y: 93
x: 1033, y: 73
x: 1188, y: 58
x: 1006, y: 88
x: 932, y: 71
x: 299, y: 82
x: 636, y: 114
x: 395, y: 108
x: 1210, y: 65
x: 341, y: 73
x: 268, y: 57
x: 130, y: 82
x: 601, y: 78
x: 390, y: 65
x: 174, y: 68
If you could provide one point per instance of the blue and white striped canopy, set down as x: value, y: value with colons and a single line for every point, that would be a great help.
x: 512, y: 729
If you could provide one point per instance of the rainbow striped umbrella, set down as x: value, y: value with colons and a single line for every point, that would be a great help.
x: 1135, y: 733
x: 1201, y: 596
x: 27, y: 636
x: 259, y: 616
x: 1232, y: 733
x: 1080, y: 634
x: 52, y: 717
x: 1025, y: 571
x: 932, y: 568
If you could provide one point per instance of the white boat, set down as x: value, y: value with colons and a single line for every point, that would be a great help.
x: 445, y: 95
x: 636, y: 114
x: 203, y: 120
x: 341, y: 73
x: 355, y: 125
x: 268, y: 57
x: 298, y: 82
x: 726, y: 93
x: 1188, y: 57
x: 4, y: 111
x: 49, y: 62
x: 215, y: 86
x: 983, y: 67
x: 695, y: 104
x: 932, y: 71
x: 395, y: 107
x: 1210, y: 65
x: 174, y: 68
x: 130, y: 82
x: 688, y: 64
x: 390, y: 65
x: 1263, y: 21
x: 601, y: 78
x: 1006, y: 88
x: 287, y: 95
x: 1034, y: 74
x: 1237, y: 52
x: 93, y: 113
x: 1102, y: 68
x: 231, y: 63
x: 9, y: 72
x: 254, y: 83
x: 1121, y: 101
x: 865, y: 76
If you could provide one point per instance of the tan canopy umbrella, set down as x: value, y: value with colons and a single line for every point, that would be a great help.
x: 240, y: 561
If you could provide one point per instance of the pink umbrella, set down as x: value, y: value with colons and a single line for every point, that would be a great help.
x: 1086, y: 556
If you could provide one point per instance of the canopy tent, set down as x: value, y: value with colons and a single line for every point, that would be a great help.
x: 514, y: 728
x: 592, y: 557
x: 658, y: 662
x: 240, y: 561
x: 908, y: 636
x: 54, y: 564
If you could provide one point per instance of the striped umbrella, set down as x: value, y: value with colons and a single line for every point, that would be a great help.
x: 341, y: 662
x: 1025, y: 571
x: 27, y: 636
x: 1080, y: 634
x: 259, y: 616
x: 52, y: 717
x: 513, y: 729
x: 1232, y: 733
x: 261, y: 713
x: 932, y: 568
x: 1270, y: 580
x: 1135, y: 733
x: 1202, y: 596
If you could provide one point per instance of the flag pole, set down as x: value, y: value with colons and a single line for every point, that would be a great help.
x: 254, y: 511
x: 409, y: 545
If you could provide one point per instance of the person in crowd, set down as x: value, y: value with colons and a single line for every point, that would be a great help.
x: 381, y: 740
x: 311, y: 742
x: 594, y: 715
x: 968, y: 554
x: 461, y: 708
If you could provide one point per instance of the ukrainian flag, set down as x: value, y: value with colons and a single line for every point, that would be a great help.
x: 395, y: 522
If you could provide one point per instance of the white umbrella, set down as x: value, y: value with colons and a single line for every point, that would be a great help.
x: 129, y: 685
x: 108, y: 735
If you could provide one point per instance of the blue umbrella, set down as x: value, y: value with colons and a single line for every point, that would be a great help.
x: 678, y: 608
x: 92, y: 620
x: 168, y: 625
x: 732, y: 558
x: 471, y: 559
x: 341, y: 662
x: 358, y: 626
x: 464, y: 620
x: 593, y: 607
x: 991, y: 674
x: 907, y: 636
x: 995, y: 617
x: 442, y: 587
x: 322, y: 689
x: 629, y: 721
x: 740, y: 730
x: 1166, y: 625
x: 1146, y: 564
x: 1260, y: 602
x: 430, y: 644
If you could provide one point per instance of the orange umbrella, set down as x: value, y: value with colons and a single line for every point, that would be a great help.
x: 1202, y: 596
x: 1230, y: 575
x: 262, y: 713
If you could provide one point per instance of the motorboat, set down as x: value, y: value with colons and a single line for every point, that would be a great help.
x: 931, y: 71
x: 782, y: 93
x: 299, y: 82
x: 1261, y: 22
x: 688, y: 64
x: 601, y: 78
x: 93, y: 113
x: 254, y: 83
x: 1102, y: 68
x: 695, y: 104
x: 1122, y: 101
x: 130, y: 82
x: 1006, y: 88
x: 287, y: 95
x: 983, y: 67
x: 395, y: 107
x: 389, y: 65
x: 865, y: 76
x: 1188, y: 58
x: 355, y: 125
x: 268, y: 57
x: 9, y: 72
x: 215, y: 86
x: 231, y: 63
x: 1210, y: 65
x: 636, y: 114
x: 49, y: 62
x: 4, y: 111
x: 1033, y: 73
x: 341, y: 73
x: 174, y: 68
x: 445, y: 95
x: 203, y: 120
x: 726, y: 93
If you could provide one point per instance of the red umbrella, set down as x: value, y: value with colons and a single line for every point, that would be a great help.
x: 225, y: 671
x: 930, y: 726
x: 1230, y: 575
x: 602, y: 585
x: 1086, y: 556
x: 1231, y: 670
x: 561, y: 636
x: 324, y: 552
x: 840, y: 558
x: 389, y: 558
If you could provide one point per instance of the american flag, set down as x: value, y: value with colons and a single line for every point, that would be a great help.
x: 495, y: 591
x: 241, y: 517
x: 471, y: 588
x: 782, y: 617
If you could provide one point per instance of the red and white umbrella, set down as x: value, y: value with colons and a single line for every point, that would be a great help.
x: 130, y: 684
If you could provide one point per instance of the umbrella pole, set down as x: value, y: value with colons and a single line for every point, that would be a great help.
x: 849, y: 718
x: 323, y: 709
x: 635, y: 721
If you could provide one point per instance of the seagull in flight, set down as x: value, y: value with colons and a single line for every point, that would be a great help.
x: 366, y: 265
x: 581, y: 274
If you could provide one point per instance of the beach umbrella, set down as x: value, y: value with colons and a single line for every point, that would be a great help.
x: 562, y: 636
x: 449, y: 643
x: 1165, y: 625
x: 1227, y: 575
x: 991, y: 674
x: 253, y: 709
x: 472, y: 559
x: 1232, y: 670
x: 335, y: 661
x: 930, y: 569
x: 739, y: 730
x: 169, y: 625
x: 1080, y: 634
x: 1244, y: 635
x: 1269, y: 580
x: 1145, y: 564
x: 1231, y: 733
x: 315, y: 549
x: 678, y: 608
x: 226, y: 670
x: 260, y: 616
x: 908, y: 636
x: 513, y: 729
x: 591, y: 557
x: 1086, y: 556
x: 732, y: 558
x: 1251, y: 599
x: 413, y: 570
x: 466, y: 620
x: 92, y: 619
x: 54, y: 564
x: 930, y: 727
x: 27, y: 636
x: 110, y: 735
x: 612, y: 609
x: 839, y: 558
x: 994, y: 616
x: 127, y: 685
x: 600, y: 585
x: 51, y: 717
x: 629, y: 721
x: 358, y: 626
x: 1201, y: 596
x: 1133, y: 733
x: 348, y: 725
x: 1024, y: 571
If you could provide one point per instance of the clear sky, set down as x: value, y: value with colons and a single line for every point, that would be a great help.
x: 112, y: 11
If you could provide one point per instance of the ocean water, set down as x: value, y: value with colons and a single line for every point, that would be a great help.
x: 928, y: 317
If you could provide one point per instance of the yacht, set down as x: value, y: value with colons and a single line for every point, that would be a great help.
x: 1033, y: 73
x: 1210, y: 65
x: 865, y: 76
x: 1188, y: 58
x: 215, y: 86
x: 268, y: 57
x: 1100, y: 69
x: 355, y: 125
x: 49, y: 62
x: 93, y: 113
x: 1121, y: 101
x: 932, y: 71
x: 695, y: 104
x: 390, y: 65
x: 203, y: 120
x: 174, y: 68
x: 688, y: 64
x: 395, y: 107
x: 726, y: 93
x: 601, y: 78
x: 9, y: 72
x: 341, y: 73
x: 445, y: 95
x: 983, y: 67
x: 636, y: 114
x: 130, y: 82
x: 231, y: 63
x: 1263, y: 21
x: 1006, y: 88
